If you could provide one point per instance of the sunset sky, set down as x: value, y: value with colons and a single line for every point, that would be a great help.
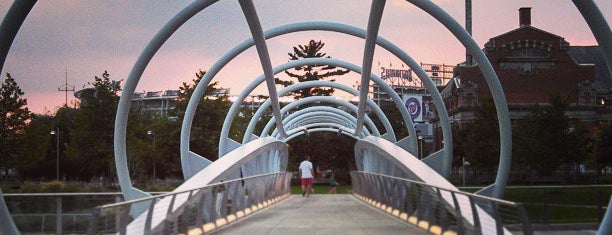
x: 89, y: 37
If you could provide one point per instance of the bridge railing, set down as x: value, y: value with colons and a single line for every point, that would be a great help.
x: 428, y: 207
x: 207, y: 208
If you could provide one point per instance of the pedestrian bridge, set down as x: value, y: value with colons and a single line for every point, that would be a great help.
x: 248, y: 185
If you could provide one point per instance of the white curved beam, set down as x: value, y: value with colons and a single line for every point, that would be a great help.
x: 317, y: 109
x: 123, y: 109
x: 307, y: 119
x: 324, y: 129
x: 599, y: 27
x: 347, y: 118
x: 307, y: 127
x: 497, y: 189
x: 376, y: 12
x: 260, y: 43
x: 8, y: 30
x: 308, y: 84
x: 306, y: 26
x: 321, y: 121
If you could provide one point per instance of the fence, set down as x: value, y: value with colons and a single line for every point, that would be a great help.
x: 207, y: 208
x: 438, y: 209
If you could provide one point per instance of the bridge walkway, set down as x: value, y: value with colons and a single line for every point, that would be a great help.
x: 320, y: 214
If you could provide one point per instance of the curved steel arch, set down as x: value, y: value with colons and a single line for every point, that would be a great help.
x: 350, y: 120
x: 320, y: 130
x: 496, y: 189
x: 223, y: 140
x: 323, y: 121
x: 369, y: 121
x: 305, y: 129
x: 303, y: 85
x: 319, y: 117
x: 307, y: 100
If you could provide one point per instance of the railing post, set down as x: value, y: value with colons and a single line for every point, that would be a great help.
x: 458, y: 216
x: 524, y: 219
x: 58, y: 215
x: 147, y: 226
x: 118, y: 215
x: 93, y: 221
x: 477, y: 226
x: 124, y: 219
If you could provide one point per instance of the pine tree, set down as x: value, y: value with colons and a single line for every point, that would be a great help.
x: 14, y: 116
x: 311, y: 72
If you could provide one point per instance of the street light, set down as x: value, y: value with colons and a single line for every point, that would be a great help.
x: 56, y: 133
x: 465, y: 165
x: 150, y: 132
x: 420, y: 139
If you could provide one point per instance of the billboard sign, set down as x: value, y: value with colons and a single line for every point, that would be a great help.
x: 414, y: 104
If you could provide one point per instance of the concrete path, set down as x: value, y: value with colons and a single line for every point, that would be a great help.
x: 320, y: 214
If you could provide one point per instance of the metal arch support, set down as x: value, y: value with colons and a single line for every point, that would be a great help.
x: 397, y: 100
x: 497, y: 189
x: 318, y: 117
x: 376, y: 11
x: 306, y: 26
x: 320, y: 121
x: 313, y: 99
x: 303, y: 85
x: 317, y: 109
x: 601, y: 31
x: 599, y: 27
x: 306, y: 129
x: 11, y: 23
x: 123, y: 108
x: 260, y: 43
x: 321, y: 130
x: 312, y: 111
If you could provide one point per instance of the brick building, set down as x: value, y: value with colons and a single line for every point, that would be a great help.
x: 531, y: 64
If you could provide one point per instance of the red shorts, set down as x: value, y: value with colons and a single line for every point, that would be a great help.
x: 306, y: 181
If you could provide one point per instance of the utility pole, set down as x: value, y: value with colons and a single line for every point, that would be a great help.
x: 66, y: 87
x: 468, y: 28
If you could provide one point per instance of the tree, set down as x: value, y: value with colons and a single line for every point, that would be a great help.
x: 91, y: 145
x: 311, y: 72
x: 37, y: 148
x: 481, y: 146
x: 14, y: 116
x: 546, y: 139
x: 602, y: 150
x: 211, y: 111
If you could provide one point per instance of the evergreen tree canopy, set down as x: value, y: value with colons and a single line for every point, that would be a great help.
x: 311, y: 72
x: 14, y: 116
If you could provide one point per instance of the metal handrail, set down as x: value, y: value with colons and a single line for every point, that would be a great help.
x: 445, y: 189
x: 439, y: 209
x: 204, y: 206
x: 182, y: 192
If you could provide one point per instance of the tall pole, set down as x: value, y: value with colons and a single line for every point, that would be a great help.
x: 57, y: 154
x: 152, y: 133
x: 56, y: 133
x: 66, y: 87
x: 468, y: 28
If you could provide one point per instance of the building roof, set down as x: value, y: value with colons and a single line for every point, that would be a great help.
x: 584, y: 55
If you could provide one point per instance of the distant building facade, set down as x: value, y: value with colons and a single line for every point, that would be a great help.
x: 531, y: 64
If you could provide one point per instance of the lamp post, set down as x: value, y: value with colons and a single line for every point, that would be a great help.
x: 150, y: 132
x: 420, y: 139
x: 56, y: 133
x: 465, y: 164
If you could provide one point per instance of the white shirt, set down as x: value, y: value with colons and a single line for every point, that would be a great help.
x: 306, y: 168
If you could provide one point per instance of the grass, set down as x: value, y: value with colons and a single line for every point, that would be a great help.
x: 561, y: 205
x: 322, y: 189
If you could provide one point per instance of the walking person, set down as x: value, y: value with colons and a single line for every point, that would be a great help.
x: 306, y: 173
x: 332, y: 183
